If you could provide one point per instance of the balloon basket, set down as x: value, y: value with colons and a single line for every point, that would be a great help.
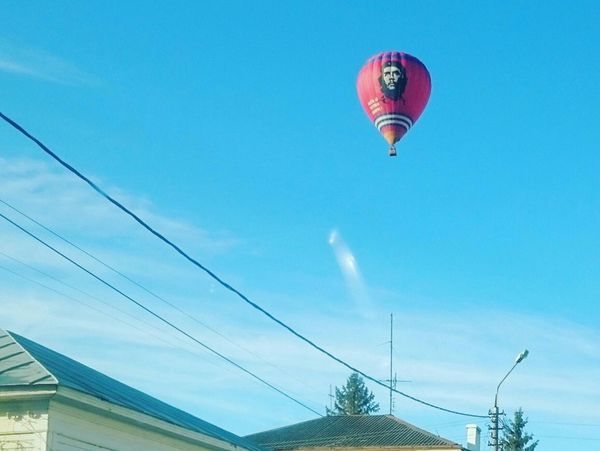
x: 392, y: 151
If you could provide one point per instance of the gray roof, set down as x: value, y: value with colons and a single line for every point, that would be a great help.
x: 25, y: 363
x: 350, y: 431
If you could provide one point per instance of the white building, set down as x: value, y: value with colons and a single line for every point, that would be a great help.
x: 49, y: 402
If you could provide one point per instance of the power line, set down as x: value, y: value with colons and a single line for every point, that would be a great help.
x: 156, y: 315
x: 111, y: 268
x: 150, y: 292
x: 96, y: 298
x: 213, y: 275
x: 79, y: 301
x: 595, y: 439
x: 60, y: 282
x: 595, y: 425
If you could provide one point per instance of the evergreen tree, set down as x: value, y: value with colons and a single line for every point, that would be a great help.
x: 515, y: 438
x: 354, y: 398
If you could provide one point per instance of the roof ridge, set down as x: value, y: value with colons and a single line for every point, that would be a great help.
x: 349, y: 431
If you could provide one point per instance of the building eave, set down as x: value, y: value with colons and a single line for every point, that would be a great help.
x: 27, y: 392
x: 107, y: 409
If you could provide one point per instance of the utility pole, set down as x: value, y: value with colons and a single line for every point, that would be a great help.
x: 495, y: 428
x: 494, y: 411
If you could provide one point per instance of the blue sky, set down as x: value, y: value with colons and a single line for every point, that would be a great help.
x: 236, y: 129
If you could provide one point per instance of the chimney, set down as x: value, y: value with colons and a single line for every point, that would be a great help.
x: 473, y: 437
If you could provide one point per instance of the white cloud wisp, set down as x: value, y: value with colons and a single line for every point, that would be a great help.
x: 349, y: 267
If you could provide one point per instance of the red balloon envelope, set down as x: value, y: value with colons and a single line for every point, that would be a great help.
x: 393, y: 88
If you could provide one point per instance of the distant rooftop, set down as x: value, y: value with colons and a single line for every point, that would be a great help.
x: 24, y: 363
x: 350, y: 431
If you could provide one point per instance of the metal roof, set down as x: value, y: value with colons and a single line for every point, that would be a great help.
x: 350, y: 431
x: 18, y: 367
x: 26, y: 363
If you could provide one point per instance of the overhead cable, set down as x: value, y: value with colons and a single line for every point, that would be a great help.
x: 90, y: 306
x: 217, y: 278
x: 78, y: 301
x: 157, y: 316
x: 65, y: 284
x: 150, y: 292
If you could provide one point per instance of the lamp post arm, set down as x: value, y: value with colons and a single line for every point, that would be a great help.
x: 494, y: 413
x: 503, y: 379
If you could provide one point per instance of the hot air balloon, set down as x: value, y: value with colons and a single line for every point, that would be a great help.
x: 393, y: 88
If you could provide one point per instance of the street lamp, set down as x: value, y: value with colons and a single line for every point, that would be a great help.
x: 494, y: 414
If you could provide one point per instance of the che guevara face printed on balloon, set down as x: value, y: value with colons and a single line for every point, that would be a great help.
x: 392, y: 79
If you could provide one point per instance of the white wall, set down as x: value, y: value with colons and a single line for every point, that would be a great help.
x: 23, y: 425
x: 73, y: 428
